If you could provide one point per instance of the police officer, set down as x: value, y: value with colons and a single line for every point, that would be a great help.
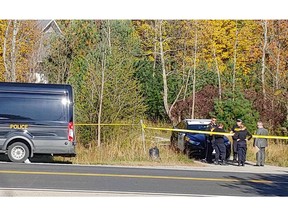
x: 242, y: 136
x: 234, y: 145
x: 210, y: 140
x: 219, y: 146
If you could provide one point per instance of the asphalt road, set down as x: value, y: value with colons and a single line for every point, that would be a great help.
x: 139, y: 181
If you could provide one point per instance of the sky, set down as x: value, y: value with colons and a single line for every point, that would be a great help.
x: 148, y: 9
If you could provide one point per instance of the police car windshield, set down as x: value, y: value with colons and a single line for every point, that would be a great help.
x: 199, y: 127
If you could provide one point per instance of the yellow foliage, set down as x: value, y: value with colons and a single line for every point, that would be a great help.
x: 26, y: 46
x: 3, y: 24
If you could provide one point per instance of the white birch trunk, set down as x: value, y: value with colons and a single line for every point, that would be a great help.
x: 263, y: 63
x: 13, y: 51
x: 155, y: 48
x: 6, y: 64
x: 188, y: 75
x: 168, y: 108
x: 277, y: 68
x: 235, y: 62
x: 109, y: 37
x: 103, y: 68
x: 194, y: 72
x: 218, y: 73
x: 164, y: 75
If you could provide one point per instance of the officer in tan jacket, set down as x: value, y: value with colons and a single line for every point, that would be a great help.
x: 261, y: 144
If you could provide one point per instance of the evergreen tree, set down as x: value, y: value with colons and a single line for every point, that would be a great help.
x: 228, y: 110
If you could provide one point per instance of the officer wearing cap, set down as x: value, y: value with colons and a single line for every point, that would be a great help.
x: 219, y: 145
x: 210, y: 140
x: 234, y: 129
x: 242, y: 136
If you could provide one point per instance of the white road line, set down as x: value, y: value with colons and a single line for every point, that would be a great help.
x: 100, y: 193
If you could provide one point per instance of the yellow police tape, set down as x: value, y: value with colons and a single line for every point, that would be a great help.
x: 92, y: 124
x: 270, y: 137
x: 188, y: 131
x: 211, y: 133
x: 180, y: 130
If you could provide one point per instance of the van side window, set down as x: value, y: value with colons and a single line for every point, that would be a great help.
x: 33, y: 108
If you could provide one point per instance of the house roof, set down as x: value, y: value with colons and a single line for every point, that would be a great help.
x: 45, y: 25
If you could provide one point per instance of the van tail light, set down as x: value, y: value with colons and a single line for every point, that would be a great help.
x: 70, y: 131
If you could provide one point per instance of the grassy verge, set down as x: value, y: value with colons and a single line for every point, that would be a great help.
x: 276, y: 154
x: 111, y: 155
x: 126, y: 148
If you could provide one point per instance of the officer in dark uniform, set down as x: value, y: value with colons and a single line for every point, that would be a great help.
x: 210, y: 140
x: 234, y: 145
x: 242, y: 136
x: 219, y: 146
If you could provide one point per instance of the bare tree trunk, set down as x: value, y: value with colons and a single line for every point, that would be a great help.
x: 155, y: 48
x: 187, y: 82
x: 188, y: 75
x: 7, y: 68
x: 109, y: 37
x: 183, y: 64
x: 277, y: 68
x: 164, y: 75
x: 194, y: 72
x: 276, y: 79
x: 13, y: 50
x: 33, y: 59
x: 263, y: 64
x: 218, y: 73
x: 235, y: 61
x: 167, y: 107
x: 103, y: 68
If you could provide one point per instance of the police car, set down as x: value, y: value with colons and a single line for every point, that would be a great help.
x: 194, y: 144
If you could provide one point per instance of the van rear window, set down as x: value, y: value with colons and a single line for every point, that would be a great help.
x: 33, y: 109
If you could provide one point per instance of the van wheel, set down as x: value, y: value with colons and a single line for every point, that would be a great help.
x: 18, y: 152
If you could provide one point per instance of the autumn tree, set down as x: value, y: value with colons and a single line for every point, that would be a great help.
x: 168, y: 62
x: 20, y: 45
x: 99, y: 59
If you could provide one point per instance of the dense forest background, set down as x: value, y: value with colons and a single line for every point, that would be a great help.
x: 158, y: 70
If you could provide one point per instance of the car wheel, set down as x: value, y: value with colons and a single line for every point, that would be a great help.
x: 173, y: 144
x: 187, y: 152
x: 18, y: 152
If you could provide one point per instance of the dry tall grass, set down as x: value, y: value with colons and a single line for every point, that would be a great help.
x: 126, y: 148
x: 276, y: 153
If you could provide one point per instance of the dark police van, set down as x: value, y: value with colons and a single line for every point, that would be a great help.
x: 36, y: 119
